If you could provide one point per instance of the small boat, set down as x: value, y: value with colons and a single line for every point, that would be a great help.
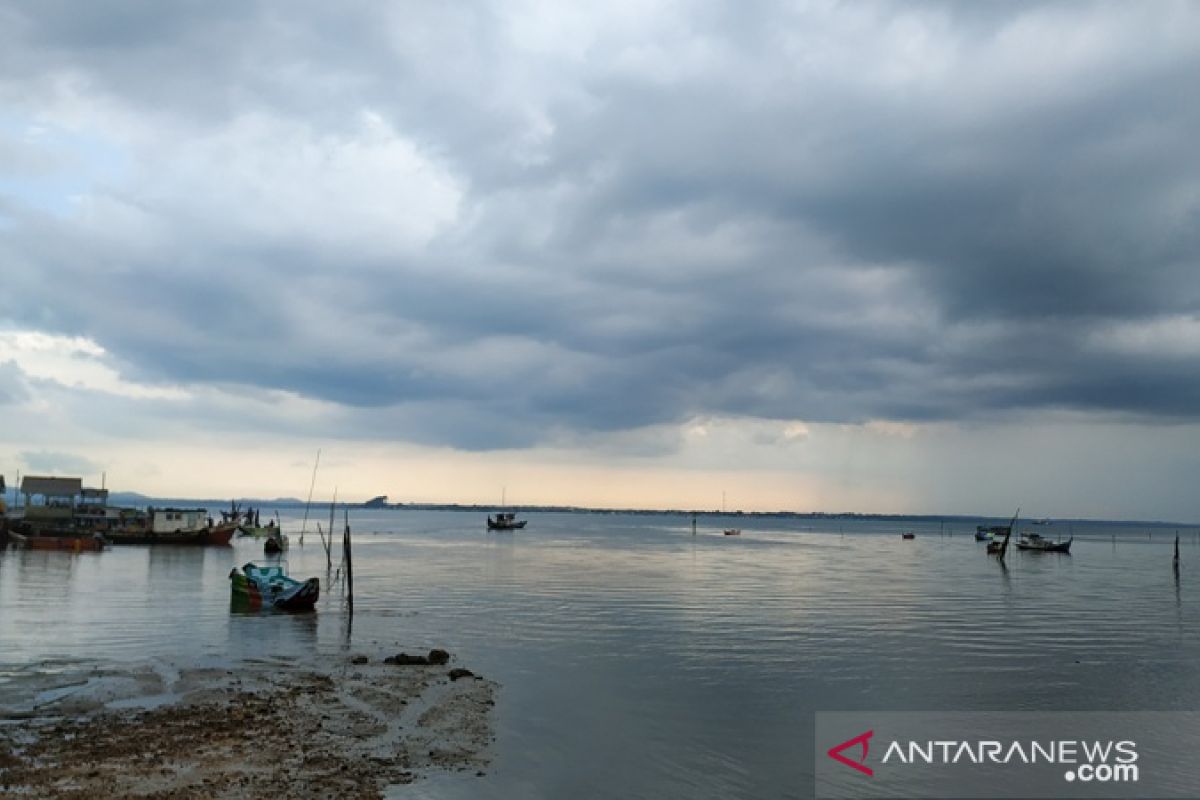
x: 995, y: 546
x: 270, y: 587
x: 733, y: 531
x: 505, y: 521
x: 277, y: 542
x: 986, y: 533
x: 908, y: 535
x: 1040, y: 544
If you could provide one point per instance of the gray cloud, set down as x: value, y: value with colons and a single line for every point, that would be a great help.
x: 484, y: 229
x: 13, y: 388
x: 43, y: 461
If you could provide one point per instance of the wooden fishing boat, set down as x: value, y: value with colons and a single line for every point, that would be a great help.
x: 50, y: 540
x: 505, y: 521
x: 986, y: 533
x: 218, y: 535
x: 277, y: 542
x: 257, y: 587
x: 1040, y: 544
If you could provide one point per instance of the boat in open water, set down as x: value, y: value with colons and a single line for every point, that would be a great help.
x: 733, y: 531
x: 1040, y: 544
x: 277, y: 542
x: 505, y: 521
x: 986, y: 533
x: 254, y: 587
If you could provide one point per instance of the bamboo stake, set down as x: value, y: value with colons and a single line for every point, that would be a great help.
x: 349, y: 566
x: 308, y: 505
x: 329, y: 544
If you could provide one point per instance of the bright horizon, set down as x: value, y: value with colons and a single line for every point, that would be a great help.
x: 909, y: 258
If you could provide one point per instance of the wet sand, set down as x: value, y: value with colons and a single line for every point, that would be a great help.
x: 340, y: 729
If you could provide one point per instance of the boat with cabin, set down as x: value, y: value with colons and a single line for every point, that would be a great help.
x: 178, y: 526
x: 277, y: 542
x: 59, y: 514
x: 505, y: 521
x: 1039, y: 544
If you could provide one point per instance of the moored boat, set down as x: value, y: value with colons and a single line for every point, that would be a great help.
x: 255, y: 586
x: 733, y: 531
x: 176, y: 526
x: 505, y: 521
x: 62, y: 540
x: 1040, y: 544
x: 277, y: 542
x: 986, y: 533
x: 58, y: 514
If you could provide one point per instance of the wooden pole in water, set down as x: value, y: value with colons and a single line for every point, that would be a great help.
x: 1007, y: 534
x: 693, y: 523
x: 1177, y: 551
x: 329, y: 544
x: 308, y: 505
x: 349, y: 566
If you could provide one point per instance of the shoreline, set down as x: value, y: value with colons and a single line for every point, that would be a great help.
x: 351, y: 727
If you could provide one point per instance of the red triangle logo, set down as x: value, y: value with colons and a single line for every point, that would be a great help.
x: 863, y: 739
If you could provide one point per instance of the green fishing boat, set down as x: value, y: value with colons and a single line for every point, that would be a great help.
x: 257, y: 587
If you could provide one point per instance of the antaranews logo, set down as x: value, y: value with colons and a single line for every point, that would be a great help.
x: 1025, y: 755
x: 863, y: 739
x: 1088, y: 761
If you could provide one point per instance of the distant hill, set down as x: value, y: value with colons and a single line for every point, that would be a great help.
x: 137, y: 499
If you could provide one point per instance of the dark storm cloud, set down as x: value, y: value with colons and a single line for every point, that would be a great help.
x: 484, y: 228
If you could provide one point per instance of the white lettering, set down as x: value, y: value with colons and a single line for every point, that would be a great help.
x: 894, y: 746
x: 1096, y: 751
x: 1047, y: 755
x: 964, y: 746
x: 1127, y: 752
x: 990, y: 751
x: 915, y: 751
x: 1016, y: 747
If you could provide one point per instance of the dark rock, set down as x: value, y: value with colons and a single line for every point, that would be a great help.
x: 405, y: 660
x: 360, y: 660
x: 459, y: 672
x: 438, y: 656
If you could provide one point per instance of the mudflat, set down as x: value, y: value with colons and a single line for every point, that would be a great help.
x: 348, y: 728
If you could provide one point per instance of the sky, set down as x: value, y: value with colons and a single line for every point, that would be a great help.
x: 918, y: 257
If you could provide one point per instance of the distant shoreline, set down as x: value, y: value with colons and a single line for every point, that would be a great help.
x: 135, y: 499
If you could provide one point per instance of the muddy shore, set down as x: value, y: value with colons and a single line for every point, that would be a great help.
x: 341, y: 729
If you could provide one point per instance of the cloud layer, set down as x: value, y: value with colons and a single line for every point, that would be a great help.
x: 501, y: 225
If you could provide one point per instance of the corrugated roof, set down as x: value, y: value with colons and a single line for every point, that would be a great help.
x: 51, y: 487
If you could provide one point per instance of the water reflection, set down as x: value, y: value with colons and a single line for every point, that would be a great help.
x: 694, y: 662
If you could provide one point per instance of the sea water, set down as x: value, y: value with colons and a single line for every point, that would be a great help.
x: 638, y: 660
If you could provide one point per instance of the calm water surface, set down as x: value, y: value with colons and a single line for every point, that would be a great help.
x: 636, y: 660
